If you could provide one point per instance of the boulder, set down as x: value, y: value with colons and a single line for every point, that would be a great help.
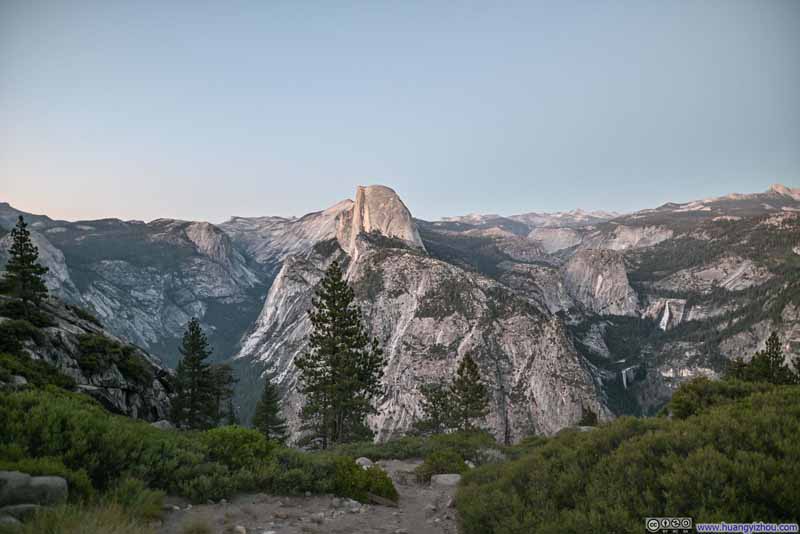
x: 20, y: 488
x: 449, y: 479
x: 23, y: 512
x: 163, y: 424
x: 8, y: 521
x: 364, y: 462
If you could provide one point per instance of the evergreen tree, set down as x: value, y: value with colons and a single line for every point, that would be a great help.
x: 195, y: 404
x: 268, y: 417
x: 223, y: 380
x: 468, y: 395
x: 437, y: 407
x: 341, y: 373
x: 23, y: 276
x: 767, y: 365
x: 231, y: 416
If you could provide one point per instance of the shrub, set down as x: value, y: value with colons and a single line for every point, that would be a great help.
x: 15, y: 332
x: 702, y: 393
x: 36, y: 372
x: 136, y: 498
x: 739, y: 460
x: 439, y: 462
x: 69, y: 519
x: 84, y: 314
x: 199, y: 465
x: 236, y: 447
x: 96, y: 353
x: 14, y: 309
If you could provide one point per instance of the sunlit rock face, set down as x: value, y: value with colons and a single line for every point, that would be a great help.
x: 597, y: 279
x: 377, y: 209
x: 428, y: 314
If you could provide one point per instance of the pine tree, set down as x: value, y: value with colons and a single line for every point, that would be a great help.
x: 223, y: 380
x: 468, y: 395
x: 231, y: 415
x: 767, y: 365
x: 438, y: 409
x: 195, y: 403
x: 268, y: 417
x: 341, y: 373
x: 23, y: 276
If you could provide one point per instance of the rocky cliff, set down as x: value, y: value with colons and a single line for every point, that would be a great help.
x: 596, y: 278
x: 123, y: 378
x: 429, y: 314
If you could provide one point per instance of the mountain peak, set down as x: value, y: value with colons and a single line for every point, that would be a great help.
x: 377, y: 208
x: 782, y: 190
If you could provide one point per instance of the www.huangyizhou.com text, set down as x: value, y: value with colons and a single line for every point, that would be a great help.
x: 747, y: 528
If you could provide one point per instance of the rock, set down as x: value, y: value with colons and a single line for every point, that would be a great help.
x: 383, y: 501
x: 450, y: 479
x: 401, y: 531
x: 19, y: 381
x: 22, y: 512
x: 491, y: 455
x: 336, y: 502
x: 223, y: 501
x: 430, y: 509
x: 451, y: 503
x: 188, y: 507
x: 239, y: 529
x: 20, y: 488
x: 163, y: 424
x: 364, y: 462
x: 469, y: 464
x: 318, y: 518
x: 308, y: 494
x: 353, y: 506
x: 8, y: 521
x: 598, y: 280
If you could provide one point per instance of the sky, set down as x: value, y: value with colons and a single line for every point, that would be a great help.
x: 204, y: 110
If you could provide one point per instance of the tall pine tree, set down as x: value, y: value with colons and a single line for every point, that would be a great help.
x: 767, y: 365
x: 195, y: 404
x: 455, y: 406
x: 341, y: 373
x: 23, y: 276
x: 268, y: 417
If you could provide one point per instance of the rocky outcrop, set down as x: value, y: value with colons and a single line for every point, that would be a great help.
x: 598, y: 281
x: 133, y: 384
x: 429, y: 314
x: 377, y: 209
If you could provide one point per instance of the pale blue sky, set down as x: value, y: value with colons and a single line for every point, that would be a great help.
x: 201, y: 110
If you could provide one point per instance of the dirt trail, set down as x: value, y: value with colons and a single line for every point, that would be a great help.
x: 422, y: 509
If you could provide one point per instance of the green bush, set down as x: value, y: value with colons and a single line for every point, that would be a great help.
x: 236, y: 447
x: 737, y: 461
x: 136, y: 498
x: 14, y: 333
x: 36, y: 372
x: 214, y: 464
x: 14, y: 309
x: 84, y: 314
x: 440, y: 462
x: 701, y: 393
x: 71, y: 519
x: 96, y: 353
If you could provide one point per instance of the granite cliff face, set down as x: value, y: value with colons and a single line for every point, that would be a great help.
x: 564, y: 312
x: 135, y: 384
x: 430, y: 314
x: 596, y: 279
x: 145, y: 281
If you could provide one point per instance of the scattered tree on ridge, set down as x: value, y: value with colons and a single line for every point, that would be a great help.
x: 458, y: 405
x: 767, y: 365
x: 268, y: 417
x: 195, y: 404
x: 340, y: 374
x: 23, y: 276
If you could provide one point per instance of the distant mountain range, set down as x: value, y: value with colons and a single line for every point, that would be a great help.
x: 564, y: 312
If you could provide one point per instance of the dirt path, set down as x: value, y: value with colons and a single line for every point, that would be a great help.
x: 421, y: 509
